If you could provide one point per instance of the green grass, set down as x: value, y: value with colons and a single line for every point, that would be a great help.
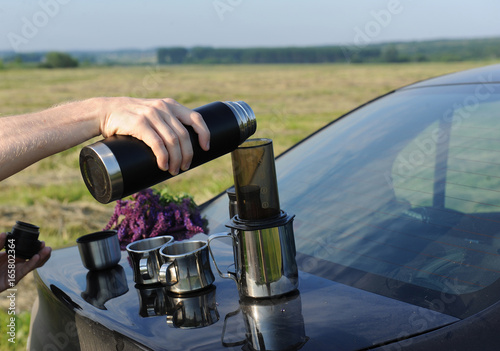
x: 21, y: 331
x: 290, y: 102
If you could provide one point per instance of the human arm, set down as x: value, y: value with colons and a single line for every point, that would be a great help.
x: 26, y: 139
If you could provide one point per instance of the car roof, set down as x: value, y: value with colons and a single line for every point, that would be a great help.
x: 481, y: 75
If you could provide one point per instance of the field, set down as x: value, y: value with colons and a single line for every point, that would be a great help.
x: 290, y: 102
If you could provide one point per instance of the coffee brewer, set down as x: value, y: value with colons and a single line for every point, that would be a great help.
x: 262, y: 233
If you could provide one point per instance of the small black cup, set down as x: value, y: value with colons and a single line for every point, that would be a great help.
x: 26, y: 243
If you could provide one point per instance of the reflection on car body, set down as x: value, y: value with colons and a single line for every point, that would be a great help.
x: 397, y: 232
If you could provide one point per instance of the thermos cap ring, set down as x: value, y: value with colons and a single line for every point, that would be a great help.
x: 101, y: 172
x: 245, y: 117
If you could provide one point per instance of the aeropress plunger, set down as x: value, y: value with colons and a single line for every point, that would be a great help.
x: 263, y: 239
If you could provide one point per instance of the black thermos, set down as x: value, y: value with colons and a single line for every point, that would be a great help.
x: 120, y: 165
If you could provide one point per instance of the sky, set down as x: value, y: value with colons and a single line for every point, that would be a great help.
x: 67, y: 25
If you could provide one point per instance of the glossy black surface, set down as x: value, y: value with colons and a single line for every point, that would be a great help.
x: 332, y: 315
x: 346, y: 300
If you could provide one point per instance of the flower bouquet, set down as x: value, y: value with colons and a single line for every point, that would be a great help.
x: 150, y: 213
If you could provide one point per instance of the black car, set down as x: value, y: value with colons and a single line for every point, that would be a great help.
x: 397, y: 233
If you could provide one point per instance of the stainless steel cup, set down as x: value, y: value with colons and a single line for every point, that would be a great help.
x: 145, y: 258
x: 265, y: 264
x: 186, y: 266
x: 100, y: 250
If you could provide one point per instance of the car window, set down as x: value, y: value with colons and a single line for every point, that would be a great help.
x: 401, y: 197
x: 412, y: 174
x: 468, y: 144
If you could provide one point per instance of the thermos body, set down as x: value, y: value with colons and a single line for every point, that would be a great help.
x: 119, y: 166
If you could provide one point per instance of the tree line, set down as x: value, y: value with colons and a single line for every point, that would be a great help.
x: 436, y: 51
x: 53, y: 59
x: 209, y: 55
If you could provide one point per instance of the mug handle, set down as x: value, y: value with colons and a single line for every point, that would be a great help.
x: 227, y: 275
x: 168, y: 274
x: 144, y: 268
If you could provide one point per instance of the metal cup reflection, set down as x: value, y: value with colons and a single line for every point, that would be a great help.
x: 196, y: 310
x: 152, y: 300
x: 104, y: 285
x: 270, y: 324
x: 187, y: 311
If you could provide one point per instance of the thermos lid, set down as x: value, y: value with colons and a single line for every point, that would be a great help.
x: 101, y: 172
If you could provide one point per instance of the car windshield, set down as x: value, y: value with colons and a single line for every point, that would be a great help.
x: 402, y: 198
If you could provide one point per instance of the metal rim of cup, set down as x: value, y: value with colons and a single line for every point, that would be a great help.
x: 97, y: 236
x: 149, y: 243
x: 200, y: 245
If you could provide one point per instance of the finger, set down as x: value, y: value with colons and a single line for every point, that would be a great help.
x: 182, y: 146
x: 26, y: 267
x: 171, y: 143
x: 44, y: 256
x: 152, y: 138
x: 196, y: 121
x: 173, y: 133
x: 34, y: 262
x: 3, y: 237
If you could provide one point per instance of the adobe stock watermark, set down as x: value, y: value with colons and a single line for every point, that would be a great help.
x: 381, y: 19
x: 151, y: 81
x: 11, y: 282
x: 222, y: 7
x: 407, y: 166
x: 367, y: 33
x: 425, y: 317
x: 31, y: 26
x: 61, y: 340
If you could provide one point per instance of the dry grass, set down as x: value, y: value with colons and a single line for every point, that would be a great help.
x: 290, y: 102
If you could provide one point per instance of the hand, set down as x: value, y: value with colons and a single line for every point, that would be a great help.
x: 160, y: 124
x: 22, y: 267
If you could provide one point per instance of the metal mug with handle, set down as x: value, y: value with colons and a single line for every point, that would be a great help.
x: 264, y: 258
x: 145, y: 258
x: 185, y: 266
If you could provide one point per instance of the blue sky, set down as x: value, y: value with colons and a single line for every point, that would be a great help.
x: 27, y: 25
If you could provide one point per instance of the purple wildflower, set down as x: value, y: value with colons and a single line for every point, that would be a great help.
x: 149, y: 214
